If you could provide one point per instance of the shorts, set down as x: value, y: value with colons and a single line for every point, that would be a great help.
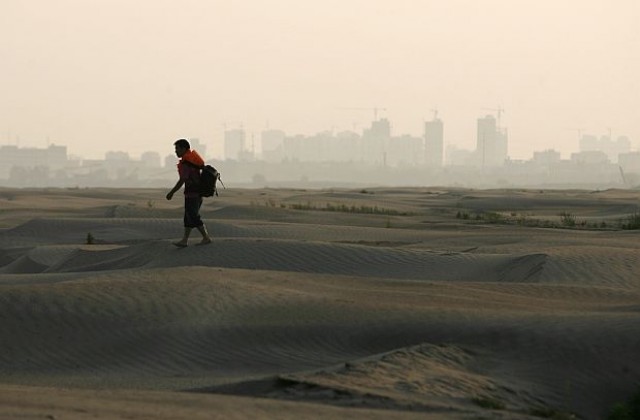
x: 192, y: 212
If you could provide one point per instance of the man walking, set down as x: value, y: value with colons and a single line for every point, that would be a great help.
x: 189, y: 173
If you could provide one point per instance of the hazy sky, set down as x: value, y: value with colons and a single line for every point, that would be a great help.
x: 101, y: 75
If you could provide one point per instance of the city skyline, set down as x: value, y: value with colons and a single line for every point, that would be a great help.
x: 216, y: 141
x: 491, y: 146
x: 136, y: 76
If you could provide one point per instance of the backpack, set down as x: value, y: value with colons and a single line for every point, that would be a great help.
x: 209, y: 176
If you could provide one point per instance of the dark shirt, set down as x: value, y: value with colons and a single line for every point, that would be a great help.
x: 190, y: 176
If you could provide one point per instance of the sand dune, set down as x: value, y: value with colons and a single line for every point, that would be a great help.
x: 421, y: 314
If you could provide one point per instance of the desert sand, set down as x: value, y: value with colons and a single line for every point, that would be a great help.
x: 379, y: 303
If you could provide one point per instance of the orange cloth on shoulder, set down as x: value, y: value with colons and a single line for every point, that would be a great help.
x: 193, y: 157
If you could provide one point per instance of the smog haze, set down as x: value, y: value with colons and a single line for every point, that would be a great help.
x: 134, y: 76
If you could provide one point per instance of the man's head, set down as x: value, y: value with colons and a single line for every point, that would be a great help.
x: 182, y: 147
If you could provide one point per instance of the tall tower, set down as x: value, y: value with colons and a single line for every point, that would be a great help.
x: 433, y: 143
x: 491, y: 145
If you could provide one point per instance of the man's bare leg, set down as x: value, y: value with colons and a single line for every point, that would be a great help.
x: 206, y: 239
x: 185, y: 239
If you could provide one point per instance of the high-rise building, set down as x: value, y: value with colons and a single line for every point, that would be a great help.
x: 375, y: 140
x: 491, y: 146
x: 433, y: 143
x: 234, y: 143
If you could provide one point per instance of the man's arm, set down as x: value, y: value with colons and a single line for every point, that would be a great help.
x: 175, y: 189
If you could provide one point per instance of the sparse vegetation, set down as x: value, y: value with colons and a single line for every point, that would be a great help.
x: 493, y: 217
x: 549, y: 413
x: 343, y: 208
x: 632, y: 222
x: 567, y: 219
x: 489, y: 403
x: 461, y: 215
x: 90, y: 239
x: 629, y: 410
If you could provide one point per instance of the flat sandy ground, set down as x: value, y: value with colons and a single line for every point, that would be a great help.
x: 379, y: 303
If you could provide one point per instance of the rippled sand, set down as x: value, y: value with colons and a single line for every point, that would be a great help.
x: 425, y: 303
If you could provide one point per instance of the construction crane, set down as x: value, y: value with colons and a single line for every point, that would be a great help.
x: 580, y: 131
x: 610, y: 136
x: 375, y: 110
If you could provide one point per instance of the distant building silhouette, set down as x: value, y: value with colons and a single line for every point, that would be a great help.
x: 491, y: 145
x: 330, y: 158
x: 272, y: 139
x: 590, y: 157
x: 293, y: 147
x: 116, y: 156
x: 458, y: 157
x: 605, y: 144
x: 433, y: 143
x: 630, y: 162
x: 272, y: 142
x: 589, y: 143
x: 53, y: 157
x: 546, y: 158
x: 374, y: 141
x: 150, y: 159
x: 234, y: 143
x: 347, y: 144
x: 170, y: 161
x: 405, y: 150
